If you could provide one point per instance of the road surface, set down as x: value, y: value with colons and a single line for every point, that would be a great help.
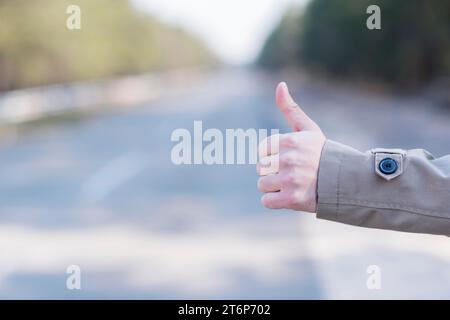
x: 102, y: 193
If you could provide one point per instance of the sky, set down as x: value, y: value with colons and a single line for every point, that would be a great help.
x: 233, y: 29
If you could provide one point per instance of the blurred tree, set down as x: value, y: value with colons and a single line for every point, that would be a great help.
x: 282, y: 45
x: 115, y: 39
x: 412, y: 47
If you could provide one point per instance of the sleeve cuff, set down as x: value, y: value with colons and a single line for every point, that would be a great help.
x: 328, y: 181
x: 343, y: 173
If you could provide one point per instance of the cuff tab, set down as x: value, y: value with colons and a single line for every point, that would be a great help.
x: 388, y: 162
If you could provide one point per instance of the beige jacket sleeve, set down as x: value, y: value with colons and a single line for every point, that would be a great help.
x: 385, y: 188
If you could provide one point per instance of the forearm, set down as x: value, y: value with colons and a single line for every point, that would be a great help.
x: 415, y: 198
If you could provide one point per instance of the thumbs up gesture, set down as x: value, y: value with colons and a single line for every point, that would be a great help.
x: 289, y: 163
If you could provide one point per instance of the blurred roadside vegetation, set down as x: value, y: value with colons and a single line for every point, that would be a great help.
x: 115, y: 39
x: 331, y: 37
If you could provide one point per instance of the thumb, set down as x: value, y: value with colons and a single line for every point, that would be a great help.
x: 296, y: 117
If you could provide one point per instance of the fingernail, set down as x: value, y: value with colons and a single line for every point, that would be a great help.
x: 284, y: 84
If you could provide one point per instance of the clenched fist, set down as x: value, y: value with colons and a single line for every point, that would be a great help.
x: 289, y: 163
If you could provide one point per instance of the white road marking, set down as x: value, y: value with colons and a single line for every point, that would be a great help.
x: 111, y: 176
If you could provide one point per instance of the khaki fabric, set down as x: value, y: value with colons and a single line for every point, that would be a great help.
x: 352, y: 190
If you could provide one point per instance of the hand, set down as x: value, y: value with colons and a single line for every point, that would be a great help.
x: 289, y: 163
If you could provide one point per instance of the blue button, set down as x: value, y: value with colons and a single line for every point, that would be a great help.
x: 388, y: 166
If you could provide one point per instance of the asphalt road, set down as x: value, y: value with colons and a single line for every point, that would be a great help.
x: 102, y: 193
